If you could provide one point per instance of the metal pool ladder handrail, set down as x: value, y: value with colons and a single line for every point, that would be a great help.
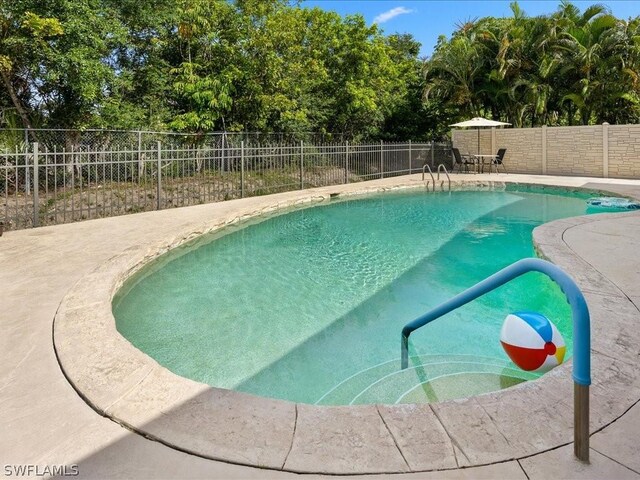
x: 426, y: 165
x: 442, y: 167
x: 581, y: 334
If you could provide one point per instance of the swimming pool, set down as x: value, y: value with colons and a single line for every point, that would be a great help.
x: 308, y: 306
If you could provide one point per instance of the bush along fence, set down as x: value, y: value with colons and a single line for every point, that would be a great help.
x: 49, y: 183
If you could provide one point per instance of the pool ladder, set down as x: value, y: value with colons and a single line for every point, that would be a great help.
x: 442, y: 168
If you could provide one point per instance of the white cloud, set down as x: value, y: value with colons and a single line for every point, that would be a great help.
x: 388, y: 15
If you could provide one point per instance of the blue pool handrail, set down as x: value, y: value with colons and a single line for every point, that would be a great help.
x: 581, y: 333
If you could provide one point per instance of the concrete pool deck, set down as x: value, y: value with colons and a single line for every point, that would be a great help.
x: 45, y: 422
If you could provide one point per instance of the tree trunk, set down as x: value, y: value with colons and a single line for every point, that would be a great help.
x: 16, y: 103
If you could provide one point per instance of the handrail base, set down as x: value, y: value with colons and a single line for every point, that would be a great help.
x: 404, y: 360
x: 581, y: 422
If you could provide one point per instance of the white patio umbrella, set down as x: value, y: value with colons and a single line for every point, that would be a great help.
x: 478, y: 122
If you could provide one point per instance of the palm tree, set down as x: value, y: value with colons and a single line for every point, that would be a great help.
x: 568, y: 67
x: 453, y: 72
x: 585, y: 41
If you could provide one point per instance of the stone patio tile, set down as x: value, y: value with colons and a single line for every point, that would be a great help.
x: 611, y: 239
x: 42, y: 419
x: 551, y: 233
x: 475, y: 437
x: 420, y: 436
x: 617, y: 441
x: 96, y: 359
x: 534, y: 416
x: 560, y: 464
x: 619, y: 339
x: 211, y: 422
x: 131, y: 456
x: 615, y: 386
x: 585, y: 276
x: 98, y: 285
x: 22, y: 412
x: 351, y: 439
x: 497, y: 471
x: 92, y: 431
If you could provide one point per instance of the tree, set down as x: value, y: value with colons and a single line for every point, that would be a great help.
x: 19, y: 34
x: 56, y: 59
x: 569, y: 67
x: 455, y: 71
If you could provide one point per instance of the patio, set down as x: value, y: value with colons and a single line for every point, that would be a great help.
x: 45, y: 421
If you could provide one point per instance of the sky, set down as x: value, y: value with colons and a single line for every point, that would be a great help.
x: 426, y: 20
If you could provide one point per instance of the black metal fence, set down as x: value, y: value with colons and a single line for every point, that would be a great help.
x: 57, y: 176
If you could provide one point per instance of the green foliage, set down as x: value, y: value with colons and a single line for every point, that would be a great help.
x: 41, y: 28
x: 567, y: 68
x: 274, y: 65
x: 55, y: 58
x: 201, y: 65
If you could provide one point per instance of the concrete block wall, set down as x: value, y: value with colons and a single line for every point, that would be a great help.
x: 591, y: 151
x: 624, y: 151
x: 524, y: 149
x: 467, y: 141
x: 575, y: 151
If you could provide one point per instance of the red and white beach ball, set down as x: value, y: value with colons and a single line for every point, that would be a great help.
x: 532, y: 342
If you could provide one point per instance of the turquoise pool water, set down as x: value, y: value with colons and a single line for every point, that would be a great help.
x: 308, y: 306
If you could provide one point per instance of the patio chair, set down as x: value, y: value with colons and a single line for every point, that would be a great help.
x: 461, y: 161
x: 499, y: 160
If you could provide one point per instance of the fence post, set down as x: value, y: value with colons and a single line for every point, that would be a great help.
x: 410, y: 169
x: 605, y: 150
x: 27, y: 180
x: 346, y: 162
x: 544, y: 149
x: 36, y: 183
x: 159, y: 183
x: 140, y: 163
x: 433, y: 153
x: 242, y: 169
x: 301, y: 165
x: 381, y: 159
x: 222, y: 159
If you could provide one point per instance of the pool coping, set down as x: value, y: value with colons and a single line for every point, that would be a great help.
x: 129, y: 387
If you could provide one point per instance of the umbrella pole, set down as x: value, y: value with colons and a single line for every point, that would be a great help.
x: 478, y: 140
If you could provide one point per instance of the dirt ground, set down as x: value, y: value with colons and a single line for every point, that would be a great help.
x: 64, y: 204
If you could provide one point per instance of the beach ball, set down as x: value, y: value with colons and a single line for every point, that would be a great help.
x: 532, y: 342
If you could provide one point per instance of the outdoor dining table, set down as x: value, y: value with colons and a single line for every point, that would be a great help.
x: 481, y: 160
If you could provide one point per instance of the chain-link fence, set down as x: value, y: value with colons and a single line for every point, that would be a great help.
x: 126, y: 139
x: 57, y: 176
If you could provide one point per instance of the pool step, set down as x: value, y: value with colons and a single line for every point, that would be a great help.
x: 429, y: 378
